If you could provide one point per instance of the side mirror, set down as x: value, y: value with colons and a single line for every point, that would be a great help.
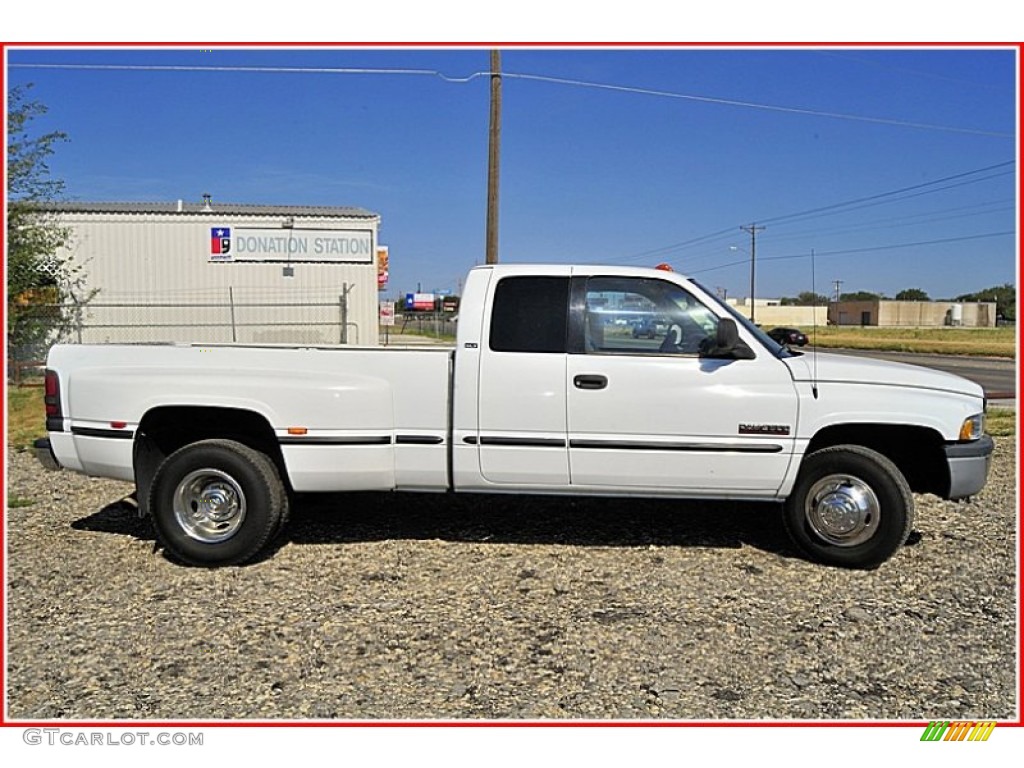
x: 727, y: 343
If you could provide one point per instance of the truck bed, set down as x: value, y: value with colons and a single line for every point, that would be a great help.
x: 346, y: 418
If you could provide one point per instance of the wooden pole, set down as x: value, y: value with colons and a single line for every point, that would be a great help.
x: 493, y: 156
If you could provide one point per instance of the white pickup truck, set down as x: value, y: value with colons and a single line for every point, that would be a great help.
x: 547, y: 391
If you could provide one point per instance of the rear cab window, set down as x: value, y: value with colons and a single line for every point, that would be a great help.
x: 530, y: 314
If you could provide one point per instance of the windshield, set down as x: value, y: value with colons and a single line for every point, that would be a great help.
x: 767, y: 341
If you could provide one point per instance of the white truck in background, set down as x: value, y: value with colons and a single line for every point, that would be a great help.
x: 547, y: 391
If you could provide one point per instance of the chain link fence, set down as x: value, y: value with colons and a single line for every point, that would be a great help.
x: 232, y: 315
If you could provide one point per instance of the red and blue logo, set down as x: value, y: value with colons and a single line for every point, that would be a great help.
x: 220, y: 241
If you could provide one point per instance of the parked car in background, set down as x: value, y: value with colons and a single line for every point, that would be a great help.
x: 649, y: 327
x: 788, y: 336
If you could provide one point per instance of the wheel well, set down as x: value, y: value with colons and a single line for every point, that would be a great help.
x: 164, y: 430
x: 916, y: 451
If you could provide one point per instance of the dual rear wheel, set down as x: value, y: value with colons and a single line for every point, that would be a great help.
x: 217, y: 502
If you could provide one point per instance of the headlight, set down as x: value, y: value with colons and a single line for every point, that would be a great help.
x: 973, y: 427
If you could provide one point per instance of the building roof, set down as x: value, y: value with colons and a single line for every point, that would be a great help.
x: 214, y: 207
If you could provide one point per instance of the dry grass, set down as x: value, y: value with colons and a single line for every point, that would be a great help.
x: 26, y: 419
x: 1001, y: 422
x: 991, y: 342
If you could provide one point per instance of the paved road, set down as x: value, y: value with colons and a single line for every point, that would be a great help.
x: 998, y: 376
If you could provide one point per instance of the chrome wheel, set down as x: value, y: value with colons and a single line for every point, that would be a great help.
x: 209, y: 505
x: 842, y: 510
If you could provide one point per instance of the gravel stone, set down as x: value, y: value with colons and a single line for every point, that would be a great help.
x: 857, y: 614
x: 396, y: 606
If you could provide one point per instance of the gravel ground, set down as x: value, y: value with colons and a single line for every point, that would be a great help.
x: 399, y: 606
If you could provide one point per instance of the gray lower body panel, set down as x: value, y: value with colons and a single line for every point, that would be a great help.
x: 44, y: 453
x: 968, y: 466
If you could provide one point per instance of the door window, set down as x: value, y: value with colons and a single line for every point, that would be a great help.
x: 628, y: 315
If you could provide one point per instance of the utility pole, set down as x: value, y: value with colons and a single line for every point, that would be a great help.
x: 493, y: 156
x: 753, y: 229
x: 837, y: 283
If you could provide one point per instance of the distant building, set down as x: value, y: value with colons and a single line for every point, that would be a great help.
x: 224, y: 272
x: 883, y: 312
x: 771, y: 313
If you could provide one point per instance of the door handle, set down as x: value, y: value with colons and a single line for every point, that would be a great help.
x: 590, y: 381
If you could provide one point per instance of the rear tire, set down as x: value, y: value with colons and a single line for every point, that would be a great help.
x: 851, y: 507
x: 217, y: 502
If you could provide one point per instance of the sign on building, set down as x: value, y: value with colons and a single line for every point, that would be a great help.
x: 291, y: 244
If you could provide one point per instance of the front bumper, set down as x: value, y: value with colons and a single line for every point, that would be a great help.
x: 968, y: 466
x: 44, y: 453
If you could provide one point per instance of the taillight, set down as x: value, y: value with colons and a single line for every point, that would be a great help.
x: 51, y: 397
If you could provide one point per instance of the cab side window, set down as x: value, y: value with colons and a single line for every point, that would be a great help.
x: 530, y: 314
x: 628, y: 315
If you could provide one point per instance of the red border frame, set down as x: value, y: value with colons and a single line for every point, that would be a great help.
x: 153, y: 724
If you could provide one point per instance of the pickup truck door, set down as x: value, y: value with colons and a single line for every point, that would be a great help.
x: 521, y: 434
x: 652, y: 414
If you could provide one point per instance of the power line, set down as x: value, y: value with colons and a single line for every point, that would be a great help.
x: 527, y: 77
x: 879, y: 198
x: 719, y: 266
x: 756, y: 105
x: 905, y: 220
x: 676, y: 246
x: 844, y: 56
x: 253, y: 70
x: 832, y: 209
x: 888, y: 223
x: 856, y: 202
x: 870, y: 249
x: 895, y: 246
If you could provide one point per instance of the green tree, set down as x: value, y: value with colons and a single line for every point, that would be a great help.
x: 36, y: 278
x: 912, y: 294
x: 1005, y: 297
x: 805, y: 299
x: 860, y: 296
x: 811, y: 299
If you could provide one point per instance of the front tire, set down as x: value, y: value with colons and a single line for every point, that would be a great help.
x: 851, y: 507
x: 217, y: 502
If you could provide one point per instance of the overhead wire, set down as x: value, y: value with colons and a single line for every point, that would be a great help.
x: 905, y: 220
x: 758, y: 105
x: 656, y: 92
x: 901, y: 190
x: 867, y: 249
x: 833, y: 209
x: 896, y: 195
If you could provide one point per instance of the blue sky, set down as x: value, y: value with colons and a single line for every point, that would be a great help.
x: 666, y: 165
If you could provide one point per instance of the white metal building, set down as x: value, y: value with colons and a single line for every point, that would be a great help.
x: 223, y: 272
